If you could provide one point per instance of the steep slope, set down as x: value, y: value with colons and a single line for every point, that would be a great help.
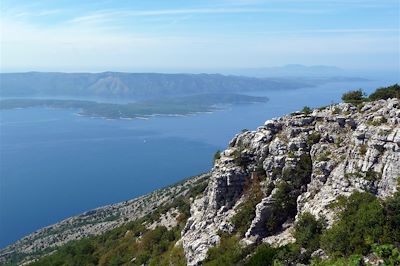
x: 98, y: 221
x: 255, y: 197
x: 302, y: 163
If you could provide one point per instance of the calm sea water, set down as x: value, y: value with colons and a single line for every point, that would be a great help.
x: 55, y: 164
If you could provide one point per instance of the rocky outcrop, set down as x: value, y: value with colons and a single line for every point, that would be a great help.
x: 305, y: 162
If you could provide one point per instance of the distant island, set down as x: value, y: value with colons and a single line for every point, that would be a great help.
x: 143, y: 85
x: 166, y: 106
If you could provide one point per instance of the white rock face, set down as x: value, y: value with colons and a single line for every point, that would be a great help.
x: 344, y: 148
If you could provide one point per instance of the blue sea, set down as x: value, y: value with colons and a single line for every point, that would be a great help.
x: 55, y: 164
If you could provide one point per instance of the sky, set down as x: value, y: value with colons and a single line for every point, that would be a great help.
x: 166, y: 35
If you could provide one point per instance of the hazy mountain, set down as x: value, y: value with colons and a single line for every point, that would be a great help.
x: 132, y: 84
x: 292, y: 70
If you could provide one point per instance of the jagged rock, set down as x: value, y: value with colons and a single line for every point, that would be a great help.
x: 263, y: 212
x: 319, y: 253
x: 358, y: 151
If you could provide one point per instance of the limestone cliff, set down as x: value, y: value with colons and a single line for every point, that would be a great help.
x: 310, y: 158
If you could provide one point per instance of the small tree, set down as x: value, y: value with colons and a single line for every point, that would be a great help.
x: 217, y: 155
x: 306, y: 110
x: 308, y: 231
x: 354, y: 97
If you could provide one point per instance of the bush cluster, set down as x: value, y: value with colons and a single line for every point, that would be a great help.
x: 386, y: 93
x: 364, y: 221
x: 357, y: 97
x: 307, y: 231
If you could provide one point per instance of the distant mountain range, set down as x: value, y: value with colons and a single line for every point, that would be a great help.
x: 292, y: 70
x: 136, y: 85
x: 130, y: 84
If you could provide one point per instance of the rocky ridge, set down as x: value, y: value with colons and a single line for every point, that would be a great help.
x: 309, y: 159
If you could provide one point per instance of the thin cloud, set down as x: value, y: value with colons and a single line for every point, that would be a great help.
x: 31, y: 14
x: 103, y: 16
x: 343, y: 30
x: 85, y: 37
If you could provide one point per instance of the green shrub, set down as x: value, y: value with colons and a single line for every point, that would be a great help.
x: 372, y: 175
x: 196, y: 190
x: 284, y: 206
x: 74, y: 253
x: 313, y: 138
x: 361, y: 223
x: 263, y: 256
x: 228, y: 252
x: 357, y: 97
x: 337, y: 111
x: 307, y: 231
x: 306, y: 110
x: 290, y: 254
x: 324, y: 156
x: 266, y: 255
x: 353, y: 260
x: 217, y: 156
x: 389, y: 253
x: 377, y: 122
x: 386, y: 93
x: 392, y: 214
x: 301, y: 173
x: 276, y: 217
x: 239, y: 157
x: 354, y: 97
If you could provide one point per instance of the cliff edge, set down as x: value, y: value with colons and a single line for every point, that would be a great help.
x: 302, y: 163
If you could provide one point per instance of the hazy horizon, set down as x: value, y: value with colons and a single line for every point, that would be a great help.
x: 278, y: 70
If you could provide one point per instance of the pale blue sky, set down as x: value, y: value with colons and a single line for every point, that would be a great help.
x: 169, y: 34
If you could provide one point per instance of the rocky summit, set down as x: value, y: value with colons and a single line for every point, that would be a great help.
x: 314, y: 158
x: 257, y: 191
